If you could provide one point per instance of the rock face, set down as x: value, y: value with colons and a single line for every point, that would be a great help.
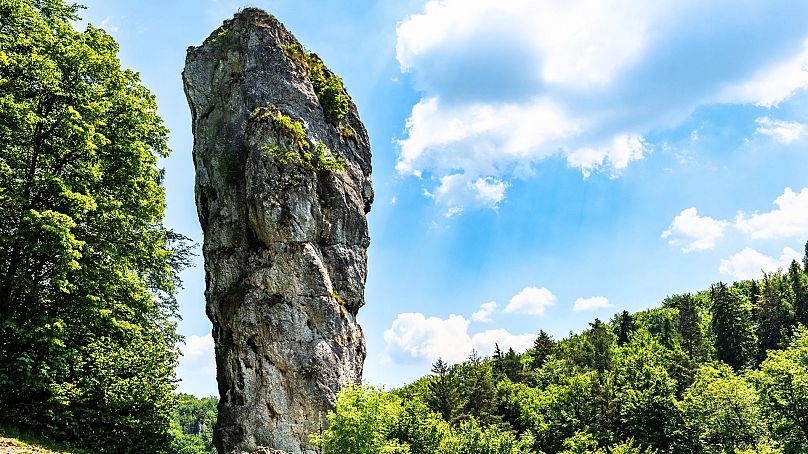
x: 282, y: 189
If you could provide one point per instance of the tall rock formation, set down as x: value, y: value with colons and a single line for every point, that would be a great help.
x: 282, y: 189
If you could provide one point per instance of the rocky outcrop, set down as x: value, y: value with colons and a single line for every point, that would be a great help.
x: 282, y: 189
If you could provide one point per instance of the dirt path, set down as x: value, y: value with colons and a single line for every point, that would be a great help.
x: 14, y: 446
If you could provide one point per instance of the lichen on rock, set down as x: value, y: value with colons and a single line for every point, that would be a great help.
x: 282, y: 190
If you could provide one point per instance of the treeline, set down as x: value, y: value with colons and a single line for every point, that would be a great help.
x: 723, y: 370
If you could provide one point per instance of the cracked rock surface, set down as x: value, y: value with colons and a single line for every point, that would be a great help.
x: 285, y: 240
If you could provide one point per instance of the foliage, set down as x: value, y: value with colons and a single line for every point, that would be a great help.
x: 782, y: 382
x: 442, y: 396
x: 327, y: 86
x: 661, y: 380
x: 732, y: 325
x: 87, y: 272
x: 192, y: 425
x: 321, y: 159
x: 363, y: 422
x: 722, y: 408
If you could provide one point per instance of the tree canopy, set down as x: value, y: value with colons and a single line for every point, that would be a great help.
x: 87, y: 271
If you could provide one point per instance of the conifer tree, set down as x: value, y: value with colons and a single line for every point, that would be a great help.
x: 690, y: 328
x: 625, y: 326
x: 599, y: 346
x: 511, y: 366
x: 543, y: 347
x: 442, y: 397
x: 732, y: 326
x: 478, y: 382
x: 798, y: 286
x: 771, y: 313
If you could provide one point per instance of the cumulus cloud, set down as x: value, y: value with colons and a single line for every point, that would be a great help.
x: 782, y: 131
x: 589, y: 304
x: 197, y: 360
x: 459, y: 190
x: 507, y: 84
x: 197, y: 346
x: 788, y: 220
x: 693, y: 232
x: 531, y: 301
x: 623, y: 149
x: 751, y: 264
x: 429, y: 338
x: 485, y: 312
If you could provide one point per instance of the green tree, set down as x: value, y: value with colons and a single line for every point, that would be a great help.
x: 800, y: 289
x: 645, y: 394
x: 364, y: 421
x: 723, y: 410
x: 782, y: 382
x: 625, y: 326
x: 690, y: 328
x: 543, y: 347
x: 805, y: 259
x: 512, y: 365
x: 443, y: 397
x: 477, y: 381
x: 732, y: 327
x: 599, y: 346
x: 86, y: 279
x: 772, y: 312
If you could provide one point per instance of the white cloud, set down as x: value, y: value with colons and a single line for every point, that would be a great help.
x: 751, y: 264
x: 459, y: 190
x: 197, y: 346
x: 789, y: 220
x: 485, y: 312
x: 485, y: 341
x: 772, y: 85
x: 430, y: 338
x: 623, y: 149
x: 589, y: 304
x: 531, y: 301
x: 693, y: 232
x: 508, y: 84
x: 783, y: 131
x: 197, y: 360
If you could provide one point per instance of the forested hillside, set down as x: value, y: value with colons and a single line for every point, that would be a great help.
x: 722, y: 370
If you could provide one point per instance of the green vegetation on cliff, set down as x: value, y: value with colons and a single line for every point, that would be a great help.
x: 721, y: 371
x: 87, y: 272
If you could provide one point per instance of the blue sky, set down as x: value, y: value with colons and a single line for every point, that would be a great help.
x: 537, y: 164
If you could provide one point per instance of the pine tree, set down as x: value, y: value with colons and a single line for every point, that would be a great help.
x: 798, y: 286
x: 478, y: 383
x: 805, y: 259
x: 732, y: 325
x: 771, y: 313
x: 442, y: 397
x: 496, y: 362
x: 543, y: 347
x: 598, y: 347
x: 512, y: 366
x: 625, y: 326
x: 690, y: 328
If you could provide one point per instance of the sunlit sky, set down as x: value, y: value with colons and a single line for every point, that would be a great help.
x: 537, y: 163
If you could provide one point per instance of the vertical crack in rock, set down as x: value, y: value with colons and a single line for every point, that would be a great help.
x: 282, y: 189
